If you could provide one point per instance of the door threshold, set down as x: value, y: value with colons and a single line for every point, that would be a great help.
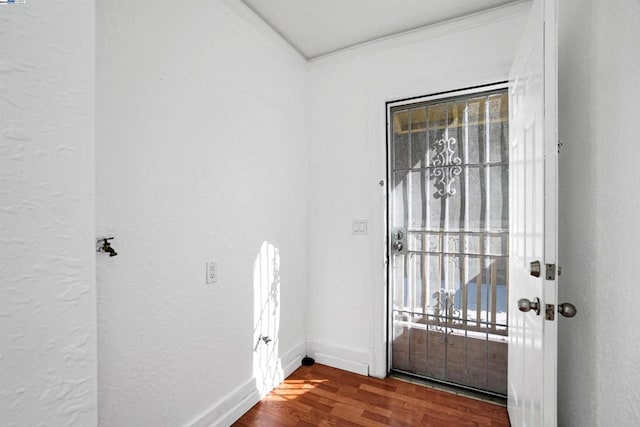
x: 450, y: 388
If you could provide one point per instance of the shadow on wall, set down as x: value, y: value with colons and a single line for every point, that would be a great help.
x: 267, y: 368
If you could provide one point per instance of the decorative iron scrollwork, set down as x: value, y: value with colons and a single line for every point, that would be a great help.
x: 444, y: 311
x: 446, y: 167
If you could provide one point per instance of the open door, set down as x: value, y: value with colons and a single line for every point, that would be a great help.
x: 532, y: 392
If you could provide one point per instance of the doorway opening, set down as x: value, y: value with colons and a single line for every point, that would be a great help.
x: 448, y: 237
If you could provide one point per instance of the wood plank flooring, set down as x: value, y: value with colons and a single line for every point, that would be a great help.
x: 322, y: 396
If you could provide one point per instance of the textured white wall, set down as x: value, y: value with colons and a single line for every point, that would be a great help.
x: 599, y: 239
x: 347, y: 94
x: 47, y: 211
x: 201, y: 155
x: 200, y: 140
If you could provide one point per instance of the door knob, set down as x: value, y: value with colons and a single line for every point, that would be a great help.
x: 398, y: 246
x: 525, y: 305
x: 567, y: 309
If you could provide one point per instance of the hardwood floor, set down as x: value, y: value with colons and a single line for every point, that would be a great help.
x: 322, y: 396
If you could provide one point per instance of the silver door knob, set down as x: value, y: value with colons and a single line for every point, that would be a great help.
x: 397, y: 246
x: 525, y: 305
x: 567, y: 309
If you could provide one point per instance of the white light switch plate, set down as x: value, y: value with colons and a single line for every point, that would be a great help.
x: 359, y: 227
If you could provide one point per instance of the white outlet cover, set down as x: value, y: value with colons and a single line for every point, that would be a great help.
x: 211, y: 272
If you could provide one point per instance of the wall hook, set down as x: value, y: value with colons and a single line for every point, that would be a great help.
x: 106, y: 246
x: 265, y: 339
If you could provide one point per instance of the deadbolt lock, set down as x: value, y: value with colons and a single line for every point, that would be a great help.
x: 534, y: 268
x: 399, y: 240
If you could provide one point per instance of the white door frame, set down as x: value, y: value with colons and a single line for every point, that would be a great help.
x: 389, y: 105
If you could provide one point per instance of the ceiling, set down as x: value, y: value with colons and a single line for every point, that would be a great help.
x: 319, y: 27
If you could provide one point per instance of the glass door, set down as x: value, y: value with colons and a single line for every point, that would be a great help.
x: 448, y: 239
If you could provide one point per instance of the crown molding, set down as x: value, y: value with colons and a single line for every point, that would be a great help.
x: 267, y: 31
x: 373, y: 46
x: 432, y: 31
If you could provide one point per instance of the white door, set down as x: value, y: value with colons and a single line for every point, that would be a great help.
x: 533, y: 228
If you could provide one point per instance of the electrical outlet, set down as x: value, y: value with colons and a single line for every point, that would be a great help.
x: 212, y: 272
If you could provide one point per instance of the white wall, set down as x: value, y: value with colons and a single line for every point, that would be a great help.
x: 201, y: 155
x: 47, y: 247
x: 347, y: 95
x: 200, y: 136
x: 599, y: 231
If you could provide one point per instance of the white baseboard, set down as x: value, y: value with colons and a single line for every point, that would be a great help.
x: 339, y: 357
x: 293, y: 359
x: 223, y: 412
x: 226, y: 411
x: 345, y: 365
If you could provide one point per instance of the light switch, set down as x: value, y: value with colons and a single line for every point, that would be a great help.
x: 359, y: 227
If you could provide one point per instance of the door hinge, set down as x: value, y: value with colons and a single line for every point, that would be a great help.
x: 550, y: 312
x: 550, y: 272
